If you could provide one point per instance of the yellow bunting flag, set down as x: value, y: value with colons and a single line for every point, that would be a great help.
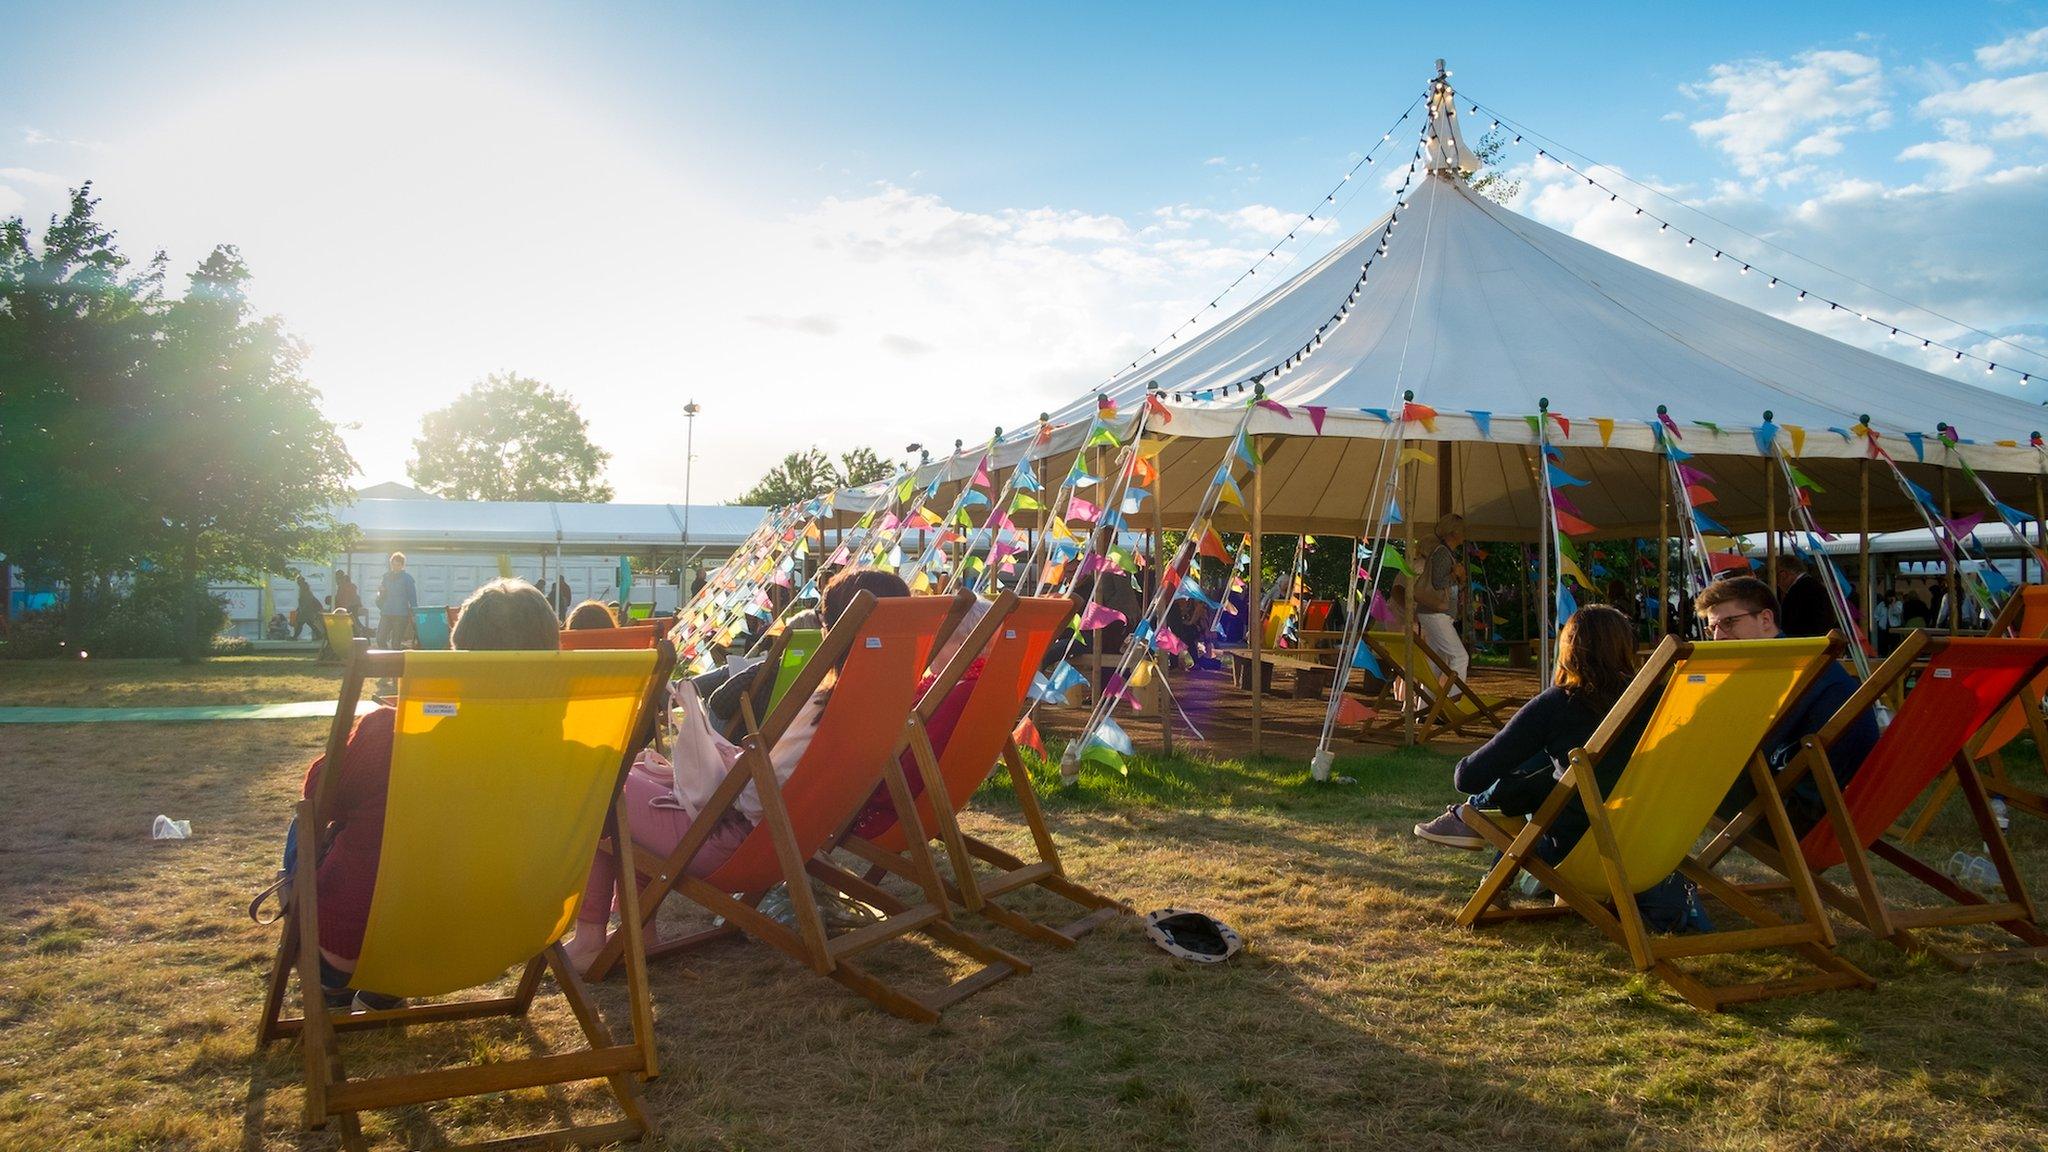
x: 1606, y: 426
x: 1150, y: 449
x: 1798, y: 435
x: 1141, y: 674
x: 1416, y: 456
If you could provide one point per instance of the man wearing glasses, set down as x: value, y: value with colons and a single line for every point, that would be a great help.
x: 1745, y: 608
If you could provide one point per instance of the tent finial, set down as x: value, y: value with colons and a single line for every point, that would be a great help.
x: 1446, y: 145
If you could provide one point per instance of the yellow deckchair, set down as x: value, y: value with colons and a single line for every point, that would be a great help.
x: 337, y: 635
x: 1449, y: 704
x: 1713, y: 705
x: 505, y: 770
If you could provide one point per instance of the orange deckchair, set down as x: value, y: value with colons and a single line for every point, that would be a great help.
x: 1964, y: 684
x: 1011, y: 641
x: 2023, y: 616
x: 1713, y: 705
x: 616, y: 639
x: 884, y: 646
x: 505, y: 769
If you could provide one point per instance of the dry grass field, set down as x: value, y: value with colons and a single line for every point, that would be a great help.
x: 1359, y: 1017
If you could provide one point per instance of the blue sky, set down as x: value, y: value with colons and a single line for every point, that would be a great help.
x: 814, y: 220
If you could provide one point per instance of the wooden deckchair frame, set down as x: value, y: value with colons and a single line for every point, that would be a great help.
x: 1439, y: 718
x: 332, y: 1095
x: 1990, y: 766
x: 1614, y: 911
x: 808, y: 943
x: 1864, y: 902
x: 964, y: 887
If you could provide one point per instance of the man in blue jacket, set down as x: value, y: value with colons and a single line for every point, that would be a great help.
x: 1745, y: 608
x: 397, y: 596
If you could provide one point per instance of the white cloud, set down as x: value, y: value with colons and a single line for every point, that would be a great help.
x: 1957, y: 162
x: 2015, y: 51
x: 2015, y: 106
x: 1765, y: 105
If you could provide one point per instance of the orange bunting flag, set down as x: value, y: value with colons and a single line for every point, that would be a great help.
x: 1606, y: 426
x: 1157, y: 408
x: 1421, y: 413
x: 1143, y: 472
x: 1105, y: 408
x: 1564, y: 424
x: 1212, y: 545
x: 1571, y: 525
x: 1698, y: 494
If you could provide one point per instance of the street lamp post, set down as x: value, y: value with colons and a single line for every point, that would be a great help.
x: 690, y: 410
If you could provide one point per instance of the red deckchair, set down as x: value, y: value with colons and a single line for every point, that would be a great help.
x: 880, y: 649
x: 1964, y: 684
x: 983, y: 735
x: 588, y: 639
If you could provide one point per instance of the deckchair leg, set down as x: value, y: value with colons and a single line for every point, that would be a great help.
x: 280, y: 982
x: 597, y: 1035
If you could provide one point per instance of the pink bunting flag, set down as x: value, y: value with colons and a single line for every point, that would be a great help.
x: 1692, y: 475
x: 1078, y: 508
x: 1316, y: 412
x: 888, y: 522
x: 1383, y: 611
x: 1962, y: 526
x: 1171, y: 645
x: 1100, y: 616
x: 1563, y: 503
x: 981, y: 479
x: 1275, y: 406
x: 1116, y: 689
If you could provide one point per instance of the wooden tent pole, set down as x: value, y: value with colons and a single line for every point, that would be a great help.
x: 1863, y: 547
x: 1770, y: 525
x: 1160, y: 701
x: 1255, y: 616
x: 1955, y: 584
x: 1663, y: 550
x: 1410, y: 697
x: 2040, y: 522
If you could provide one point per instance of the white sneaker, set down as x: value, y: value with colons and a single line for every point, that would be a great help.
x: 2000, y: 815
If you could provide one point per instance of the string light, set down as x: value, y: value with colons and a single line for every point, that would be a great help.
x: 1990, y: 366
x: 1252, y: 272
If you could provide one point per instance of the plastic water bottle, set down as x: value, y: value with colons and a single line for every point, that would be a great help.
x: 166, y: 828
x: 1972, y: 871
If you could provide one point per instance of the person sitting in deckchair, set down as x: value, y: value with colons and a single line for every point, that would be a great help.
x: 1515, y: 770
x: 665, y: 798
x: 879, y: 813
x: 1745, y: 608
x: 504, y: 615
x: 591, y: 614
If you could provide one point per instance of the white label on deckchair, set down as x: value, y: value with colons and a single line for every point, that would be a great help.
x: 437, y: 709
x: 874, y: 642
x: 1696, y: 678
x: 1944, y: 673
x: 1009, y: 633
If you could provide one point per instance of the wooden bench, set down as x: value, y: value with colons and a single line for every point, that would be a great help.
x: 1312, y: 678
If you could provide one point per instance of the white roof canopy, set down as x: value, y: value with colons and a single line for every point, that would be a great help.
x: 1482, y: 314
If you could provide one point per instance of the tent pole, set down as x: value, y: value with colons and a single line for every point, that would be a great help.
x: 1663, y: 550
x: 1770, y: 525
x: 1863, y: 544
x: 1255, y: 617
x: 1160, y: 702
x: 1411, y: 698
x: 1446, y: 504
x: 1955, y: 585
x: 2040, y: 523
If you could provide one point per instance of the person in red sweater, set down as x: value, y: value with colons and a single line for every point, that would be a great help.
x: 504, y: 615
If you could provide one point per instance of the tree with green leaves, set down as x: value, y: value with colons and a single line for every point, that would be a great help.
x: 77, y: 321
x: 1492, y: 183
x: 863, y: 465
x: 509, y: 437
x: 800, y: 476
x: 243, y: 467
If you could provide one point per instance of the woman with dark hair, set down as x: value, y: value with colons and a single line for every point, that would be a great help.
x: 504, y: 615
x: 591, y: 614
x: 1515, y: 770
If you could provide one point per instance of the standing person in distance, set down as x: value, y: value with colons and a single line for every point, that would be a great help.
x: 397, y: 596
x: 1437, y: 594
